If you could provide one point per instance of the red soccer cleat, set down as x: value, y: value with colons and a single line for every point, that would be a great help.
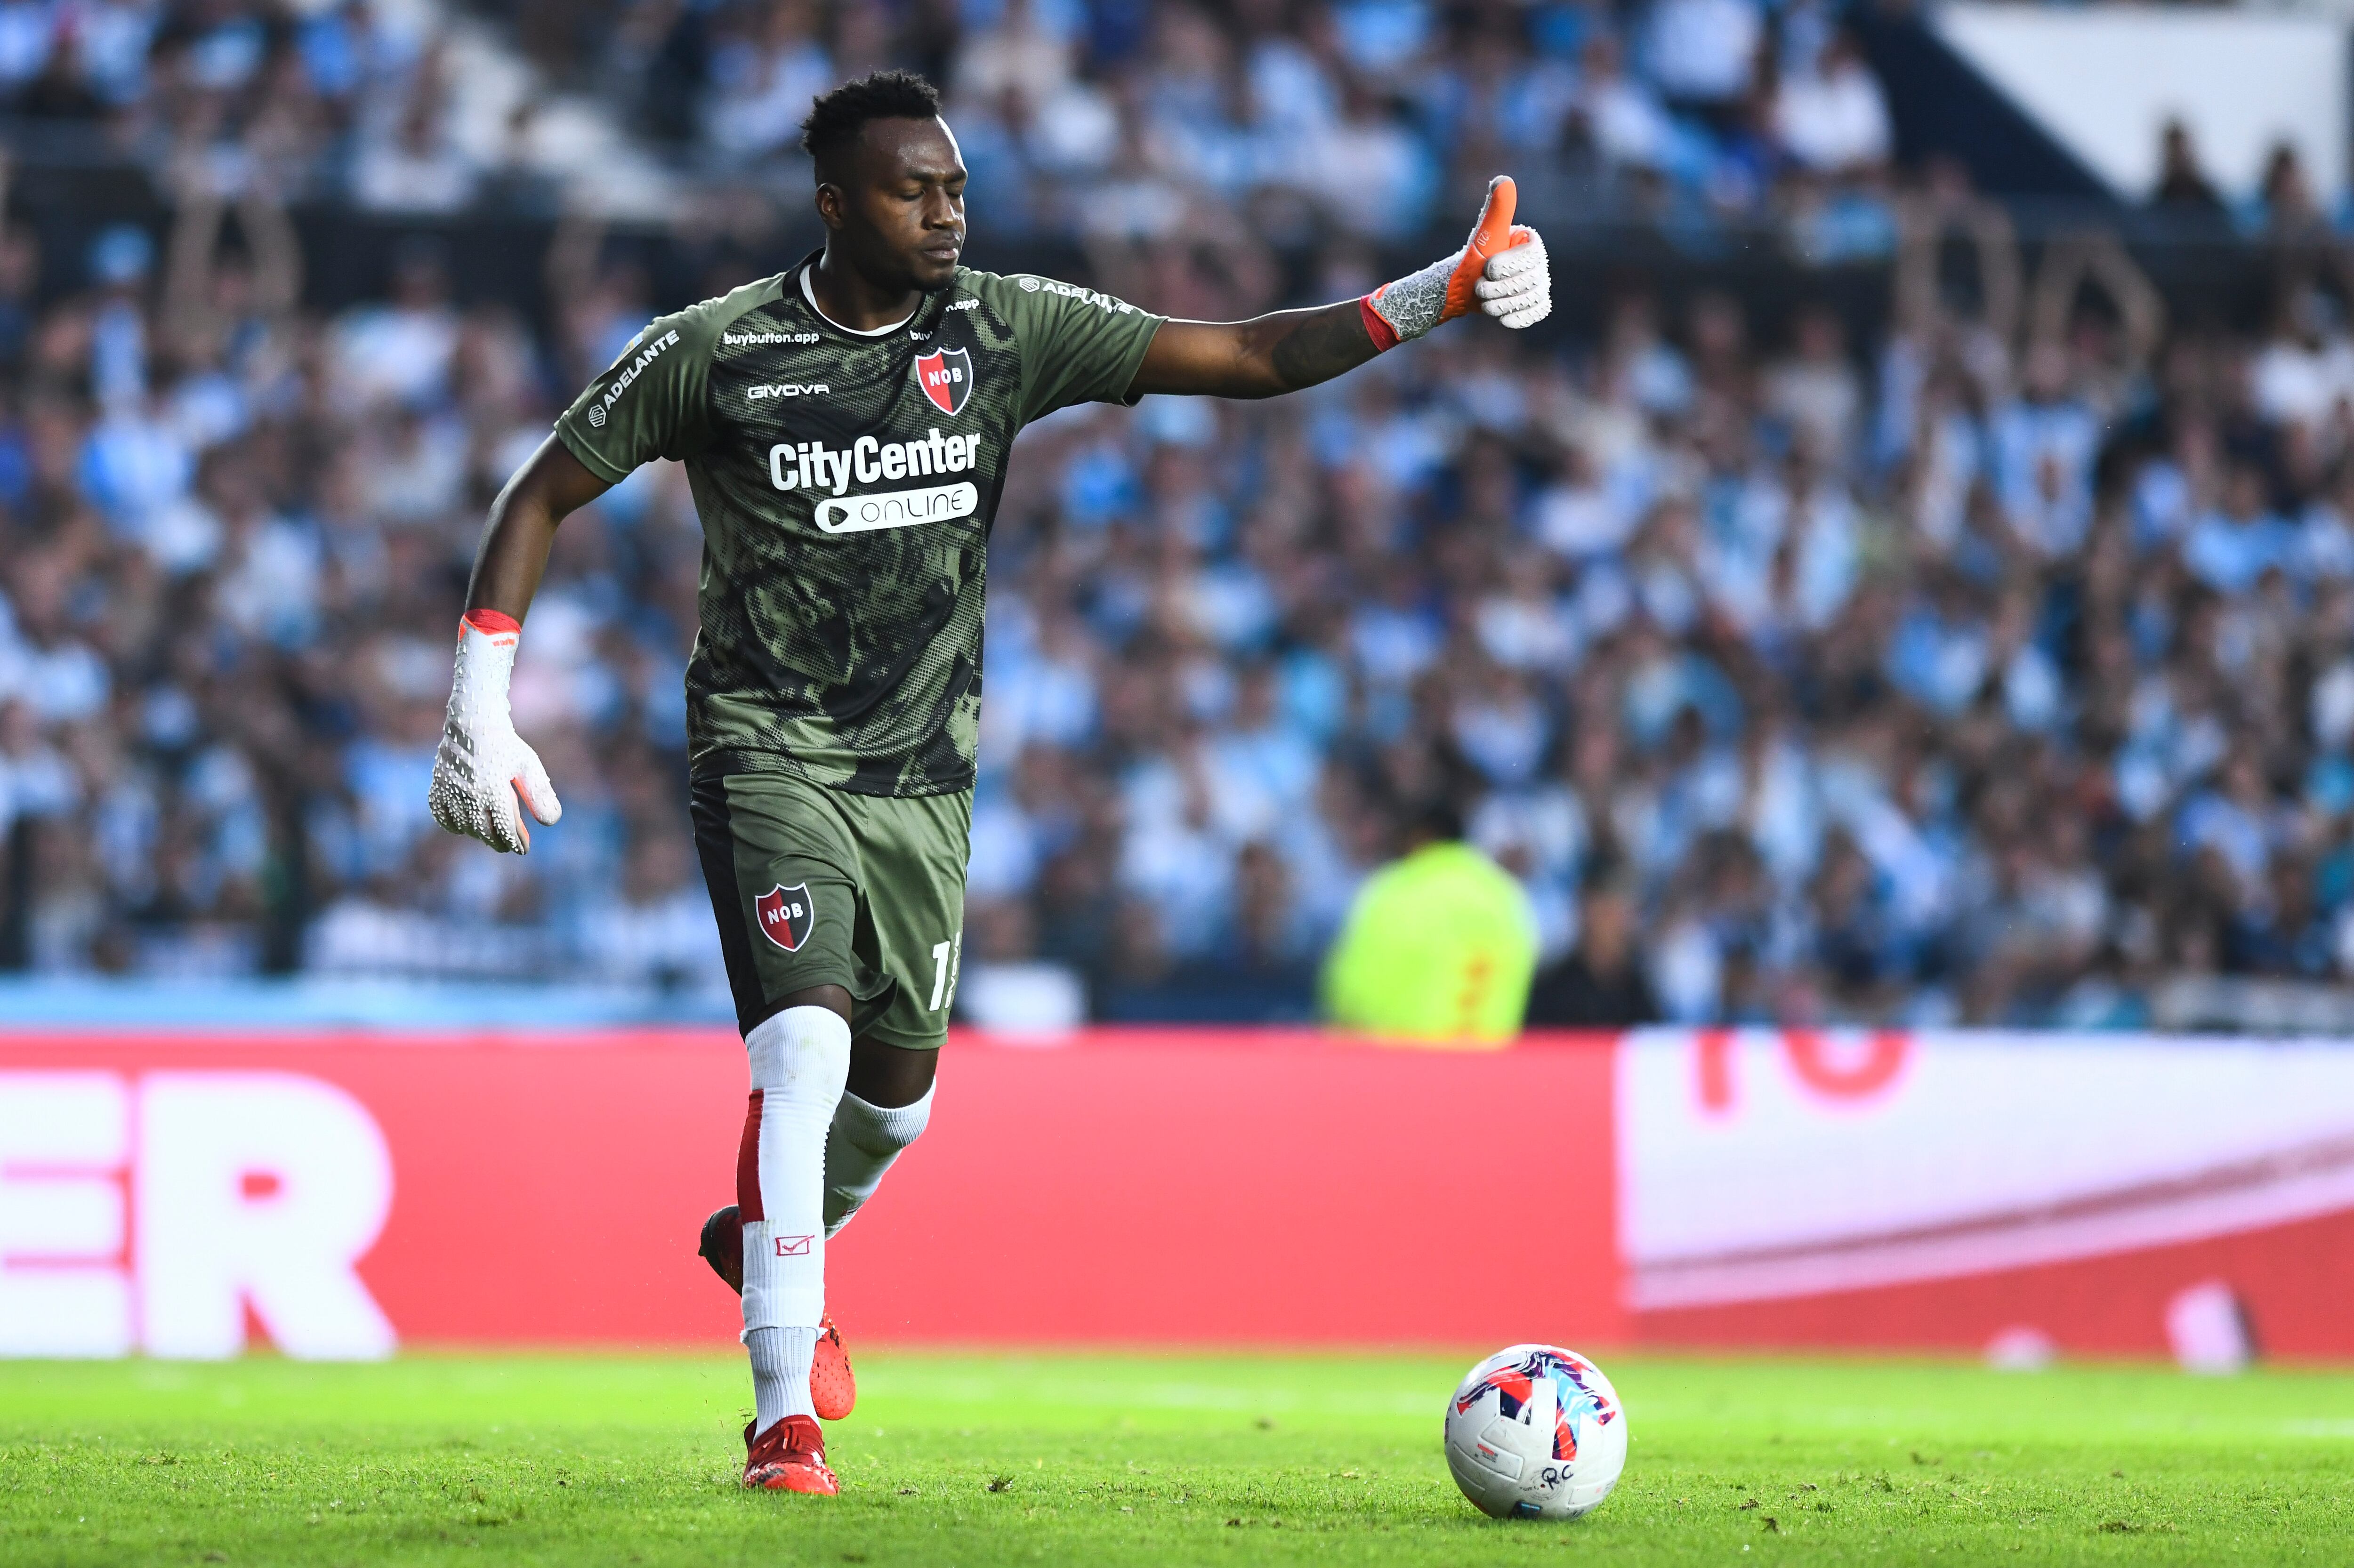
x: 722, y: 1246
x: 834, y: 1387
x: 789, y: 1458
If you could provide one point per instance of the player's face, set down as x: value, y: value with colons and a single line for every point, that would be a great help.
x: 898, y: 205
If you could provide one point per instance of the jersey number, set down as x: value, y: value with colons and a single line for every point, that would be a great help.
x: 945, y: 958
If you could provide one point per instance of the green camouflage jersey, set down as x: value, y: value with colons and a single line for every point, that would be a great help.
x: 846, y: 482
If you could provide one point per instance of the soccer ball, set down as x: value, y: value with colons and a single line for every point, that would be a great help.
x: 1536, y: 1431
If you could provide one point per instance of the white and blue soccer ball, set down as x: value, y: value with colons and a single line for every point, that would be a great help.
x: 1536, y: 1431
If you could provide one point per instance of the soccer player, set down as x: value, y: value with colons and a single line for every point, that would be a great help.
x: 844, y: 426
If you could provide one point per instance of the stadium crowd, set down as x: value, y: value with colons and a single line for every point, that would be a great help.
x: 1113, y: 118
x: 1131, y: 120
x: 1981, y: 662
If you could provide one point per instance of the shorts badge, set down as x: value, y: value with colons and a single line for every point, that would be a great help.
x: 785, y: 916
x: 946, y: 377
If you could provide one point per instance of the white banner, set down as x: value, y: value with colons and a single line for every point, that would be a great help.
x: 1760, y: 1164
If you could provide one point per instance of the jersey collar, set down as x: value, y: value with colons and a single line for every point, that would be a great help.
x: 808, y: 297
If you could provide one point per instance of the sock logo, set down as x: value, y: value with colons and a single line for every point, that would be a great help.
x: 794, y: 1246
x: 785, y: 916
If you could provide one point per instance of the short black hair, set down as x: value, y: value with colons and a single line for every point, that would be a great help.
x: 1434, y: 816
x: 836, y: 118
x: 1607, y: 874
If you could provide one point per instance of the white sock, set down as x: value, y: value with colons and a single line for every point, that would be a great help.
x: 860, y: 1145
x: 780, y: 1374
x: 800, y: 1059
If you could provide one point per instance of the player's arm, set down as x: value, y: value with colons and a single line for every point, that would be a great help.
x: 648, y: 404
x: 547, y: 490
x: 1262, y: 357
x: 484, y: 775
x: 1500, y: 272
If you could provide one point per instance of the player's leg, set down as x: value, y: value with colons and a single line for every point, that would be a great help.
x: 833, y: 1385
x: 781, y: 870
x: 886, y: 1106
x: 912, y: 855
x: 800, y: 1056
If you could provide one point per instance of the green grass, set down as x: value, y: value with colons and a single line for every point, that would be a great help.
x: 1141, y: 1459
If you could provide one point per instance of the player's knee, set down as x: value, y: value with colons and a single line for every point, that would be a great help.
x: 801, y: 1050
x: 881, y: 1131
x: 890, y: 1075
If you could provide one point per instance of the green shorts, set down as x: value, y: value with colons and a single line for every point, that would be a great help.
x: 816, y: 886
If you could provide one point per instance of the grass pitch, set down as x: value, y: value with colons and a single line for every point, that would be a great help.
x: 1147, y: 1459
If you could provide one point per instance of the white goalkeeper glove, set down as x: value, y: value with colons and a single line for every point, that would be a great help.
x: 484, y: 774
x: 1500, y: 272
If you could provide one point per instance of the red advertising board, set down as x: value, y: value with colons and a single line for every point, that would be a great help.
x: 342, y: 1194
x: 345, y: 1193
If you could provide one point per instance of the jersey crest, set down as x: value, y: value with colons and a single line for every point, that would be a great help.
x: 946, y: 377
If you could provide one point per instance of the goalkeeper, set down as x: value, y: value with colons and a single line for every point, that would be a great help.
x: 846, y: 427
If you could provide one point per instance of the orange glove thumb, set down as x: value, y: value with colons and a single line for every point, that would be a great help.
x: 1490, y: 235
x: 1413, y: 304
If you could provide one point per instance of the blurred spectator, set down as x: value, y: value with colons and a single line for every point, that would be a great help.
x: 2183, y: 185
x: 1832, y: 117
x: 1601, y: 984
x: 1623, y: 118
x: 408, y: 160
x: 1704, y: 53
x: 763, y: 75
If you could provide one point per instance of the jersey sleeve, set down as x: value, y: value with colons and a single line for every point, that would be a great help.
x: 1077, y: 345
x: 649, y: 402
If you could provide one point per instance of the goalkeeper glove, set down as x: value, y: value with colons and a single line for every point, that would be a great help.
x: 483, y: 774
x: 1501, y: 272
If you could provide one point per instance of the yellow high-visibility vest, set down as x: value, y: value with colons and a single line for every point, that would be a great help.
x: 1439, y: 948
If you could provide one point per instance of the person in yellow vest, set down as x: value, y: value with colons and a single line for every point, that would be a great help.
x: 1439, y: 948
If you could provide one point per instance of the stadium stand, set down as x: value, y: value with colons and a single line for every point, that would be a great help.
x: 1933, y: 621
